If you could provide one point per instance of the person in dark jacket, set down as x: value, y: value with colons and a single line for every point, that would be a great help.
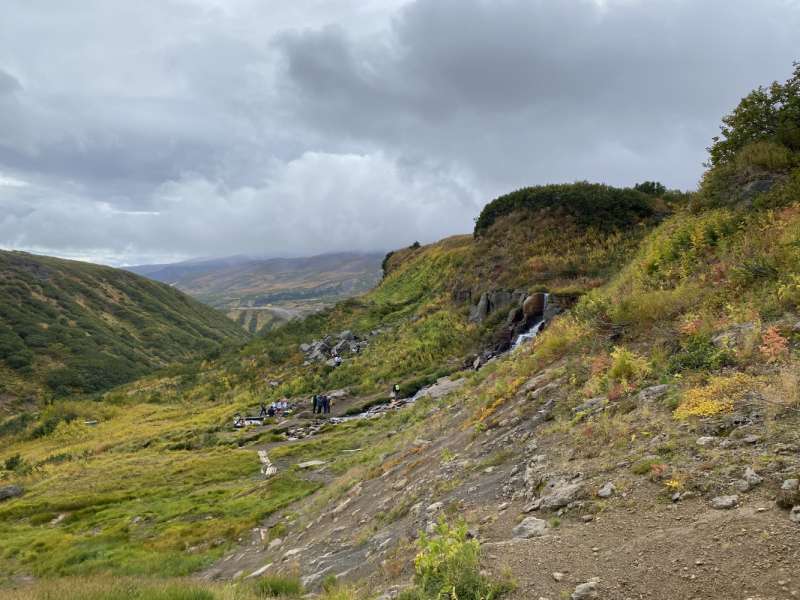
x: 314, y: 404
x: 263, y: 410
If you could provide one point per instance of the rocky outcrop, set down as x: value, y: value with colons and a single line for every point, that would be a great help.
x: 478, y: 312
x: 492, y: 301
x: 10, y: 491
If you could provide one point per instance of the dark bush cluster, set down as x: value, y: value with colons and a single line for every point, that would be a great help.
x: 590, y: 204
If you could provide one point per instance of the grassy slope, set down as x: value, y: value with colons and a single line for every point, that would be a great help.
x: 71, y: 327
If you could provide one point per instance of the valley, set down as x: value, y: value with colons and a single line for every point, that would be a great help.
x: 260, y: 294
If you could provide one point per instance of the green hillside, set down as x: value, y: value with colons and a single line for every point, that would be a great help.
x: 69, y: 327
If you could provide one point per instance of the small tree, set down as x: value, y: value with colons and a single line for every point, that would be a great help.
x: 765, y: 113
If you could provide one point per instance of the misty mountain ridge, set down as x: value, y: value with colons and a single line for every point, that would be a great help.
x: 259, y: 294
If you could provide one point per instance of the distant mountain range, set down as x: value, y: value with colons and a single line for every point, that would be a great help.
x: 169, y: 273
x: 260, y: 292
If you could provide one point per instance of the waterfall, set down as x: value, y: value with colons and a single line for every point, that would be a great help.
x: 527, y: 336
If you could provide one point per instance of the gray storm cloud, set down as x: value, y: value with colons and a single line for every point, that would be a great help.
x: 163, y: 130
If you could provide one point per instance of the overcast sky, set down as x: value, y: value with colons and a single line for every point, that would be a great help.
x: 160, y: 130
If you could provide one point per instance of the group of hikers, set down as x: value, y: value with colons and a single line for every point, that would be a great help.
x: 276, y: 409
x: 321, y: 404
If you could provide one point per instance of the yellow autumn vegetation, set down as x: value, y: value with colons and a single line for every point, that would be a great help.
x: 721, y: 395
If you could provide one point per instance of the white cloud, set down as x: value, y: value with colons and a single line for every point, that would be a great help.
x: 174, y: 128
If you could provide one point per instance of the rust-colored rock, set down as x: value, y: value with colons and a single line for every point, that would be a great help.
x: 534, y: 304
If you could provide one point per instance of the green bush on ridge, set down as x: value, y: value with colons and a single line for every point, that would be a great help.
x: 591, y: 204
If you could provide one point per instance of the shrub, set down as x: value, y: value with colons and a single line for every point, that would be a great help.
x: 41, y: 519
x: 280, y: 586
x: 651, y: 188
x: 592, y: 204
x: 329, y: 583
x: 764, y: 155
x: 449, y: 566
x: 277, y: 531
x: 775, y: 345
x: 721, y: 395
x: 627, y: 365
x: 12, y: 462
x: 698, y: 353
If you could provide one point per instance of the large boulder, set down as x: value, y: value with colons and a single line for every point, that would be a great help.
x: 560, y: 496
x: 10, y: 491
x: 534, y: 304
x: 444, y: 388
x: 346, y: 335
x: 530, y: 527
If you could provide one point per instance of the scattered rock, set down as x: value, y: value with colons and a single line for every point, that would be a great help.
x: 751, y: 439
x: 535, y: 505
x: 558, y: 576
x: 10, y: 491
x: 391, y: 592
x: 749, y: 481
x: 258, y: 572
x: 706, y: 441
x: 561, y: 496
x: 400, y: 484
x: 434, y: 508
x: 651, y: 394
x: 587, y: 518
x: 310, y: 464
x: 275, y: 544
x: 530, y: 527
x: 607, y: 490
x: 794, y: 515
x: 724, y: 502
x: 416, y: 510
x: 585, y: 590
x: 789, y: 495
x: 589, y: 404
x: 550, y: 387
x: 339, y: 509
x: 290, y: 553
x: 503, y: 506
